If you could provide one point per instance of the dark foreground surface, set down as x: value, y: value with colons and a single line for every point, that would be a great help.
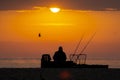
x: 59, y: 74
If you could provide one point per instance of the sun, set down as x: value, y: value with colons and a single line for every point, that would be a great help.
x: 55, y: 10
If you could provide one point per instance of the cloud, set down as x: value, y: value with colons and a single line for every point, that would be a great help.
x: 65, y: 4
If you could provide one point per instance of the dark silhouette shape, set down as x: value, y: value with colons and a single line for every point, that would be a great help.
x: 45, y: 61
x: 60, y: 61
x: 39, y: 35
x: 59, y: 55
x: 46, y: 58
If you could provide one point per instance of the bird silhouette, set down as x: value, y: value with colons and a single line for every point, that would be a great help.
x: 39, y: 35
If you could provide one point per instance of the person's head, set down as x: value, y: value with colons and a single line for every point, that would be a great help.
x: 60, y: 48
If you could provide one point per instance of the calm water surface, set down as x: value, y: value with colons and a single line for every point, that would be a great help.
x: 35, y: 63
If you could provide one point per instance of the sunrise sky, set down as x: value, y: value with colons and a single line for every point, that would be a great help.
x: 22, y: 20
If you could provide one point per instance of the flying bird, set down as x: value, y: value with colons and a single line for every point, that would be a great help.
x: 39, y: 35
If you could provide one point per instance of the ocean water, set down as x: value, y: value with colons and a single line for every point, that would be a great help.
x: 20, y: 63
x: 35, y: 63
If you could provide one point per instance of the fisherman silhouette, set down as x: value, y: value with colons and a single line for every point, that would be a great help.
x: 59, y: 55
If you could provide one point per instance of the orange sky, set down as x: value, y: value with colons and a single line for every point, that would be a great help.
x: 19, y: 32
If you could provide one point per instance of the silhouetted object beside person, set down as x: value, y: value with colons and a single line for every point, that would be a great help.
x: 46, y: 58
x: 59, y: 55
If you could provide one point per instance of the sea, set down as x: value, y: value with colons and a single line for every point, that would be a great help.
x: 35, y: 62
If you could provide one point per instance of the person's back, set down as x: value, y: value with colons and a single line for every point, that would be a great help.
x: 59, y: 55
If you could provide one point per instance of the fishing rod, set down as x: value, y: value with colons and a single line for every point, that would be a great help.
x: 78, y: 44
x: 77, y: 47
x: 85, y: 46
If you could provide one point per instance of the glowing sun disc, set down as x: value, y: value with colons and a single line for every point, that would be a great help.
x: 54, y: 10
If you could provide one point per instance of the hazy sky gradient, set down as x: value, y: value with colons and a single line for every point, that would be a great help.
x: 67, y: 4
x: 20, y: 23
x: 19, y: 32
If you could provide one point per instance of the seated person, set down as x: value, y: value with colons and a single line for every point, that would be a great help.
x: 59, y: 55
